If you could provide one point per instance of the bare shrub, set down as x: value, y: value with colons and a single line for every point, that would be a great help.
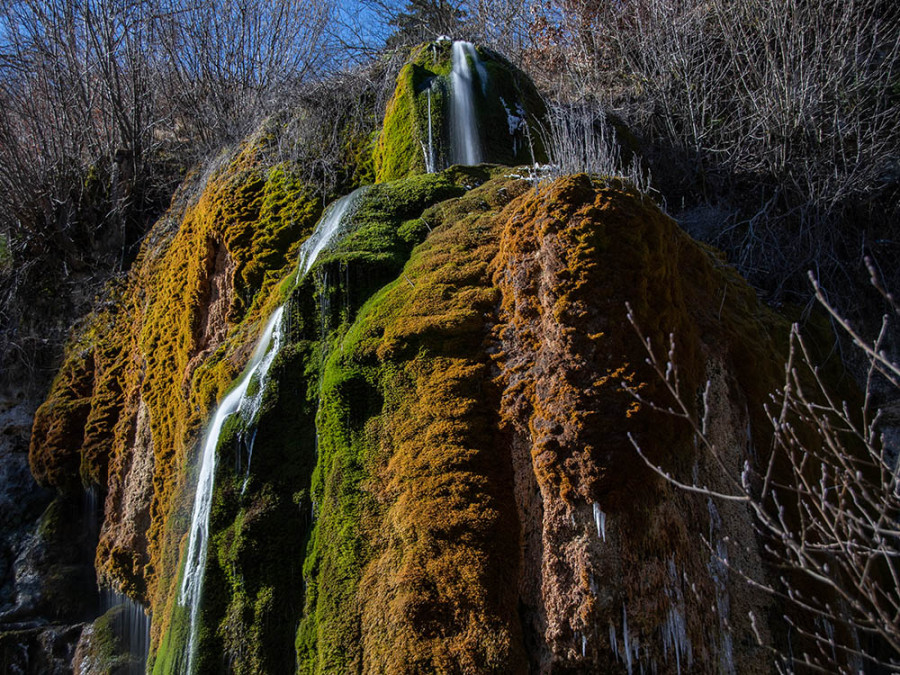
x: 103, y: 105
x: 580, y: 138
x: 789, y: 107
x: 826, y: 501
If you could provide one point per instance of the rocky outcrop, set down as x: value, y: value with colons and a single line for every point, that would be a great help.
x: 509, y: 523
x: 21, y: 500
x: 440, y: 473
x: 146, y: 367
x: 613, y: 569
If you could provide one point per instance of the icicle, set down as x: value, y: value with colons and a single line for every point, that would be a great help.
x: 600, y: 521
x: 612, y: 640
x: 718, y: 570
x: 625, y: 638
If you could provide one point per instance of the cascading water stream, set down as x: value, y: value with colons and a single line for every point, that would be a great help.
x: 328, y: 227
x: 131, y: 624
x: 465, y: 142
x: 250, y: 402
x: 429, y: 151
x: 247, y: 404
x: 192, y: 581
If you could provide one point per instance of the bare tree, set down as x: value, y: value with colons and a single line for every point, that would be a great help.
x: 826, y: 500
x: 103, y: 103
x: 227, y: 63
x: 791, y: 103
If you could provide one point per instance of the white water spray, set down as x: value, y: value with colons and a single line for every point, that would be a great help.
x: 429, y: 151
x: 251, y: 402
x: 465, y: 142
x: 235, y: 401
x: 328, y: 227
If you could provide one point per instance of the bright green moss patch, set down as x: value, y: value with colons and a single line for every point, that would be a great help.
x: 406, y: 487
x: 509, y: 109
x: 422, y: 89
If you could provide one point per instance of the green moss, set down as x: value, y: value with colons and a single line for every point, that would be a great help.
x: 108, y: 650
x: 385, y: 401
x: 169, y: 655
x: 398, y: 151
x: 423, y: 81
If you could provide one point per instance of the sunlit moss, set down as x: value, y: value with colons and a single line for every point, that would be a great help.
x: 424, y: 82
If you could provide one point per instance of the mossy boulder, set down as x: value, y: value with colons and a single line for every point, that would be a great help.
x: 508, y: 107
x: 142, y: 372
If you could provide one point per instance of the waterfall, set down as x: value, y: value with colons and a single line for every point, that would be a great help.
x: 245, y: 402
x: 236, y: 400
x: 466, y: 145
x: 131, y: 624
x: 429, y: 152
x: 251, y: 401
x: 328, y: 227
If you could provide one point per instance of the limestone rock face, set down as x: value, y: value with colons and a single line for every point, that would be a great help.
x: 612, y: 569
x: 21, y: 500
x: 444, y: 452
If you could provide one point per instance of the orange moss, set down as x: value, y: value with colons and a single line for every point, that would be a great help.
x: 417, y: 489
x: 570, y: 257
x: 58, y: 431
x: 173, y: 342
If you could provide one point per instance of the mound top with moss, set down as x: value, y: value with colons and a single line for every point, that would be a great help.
x: 508, y: 107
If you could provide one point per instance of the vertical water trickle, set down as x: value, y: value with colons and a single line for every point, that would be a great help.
x: 718, y: 569
x: 429, y: 154
x: 194, y: 567
x: 465, y: 142
x: 93, y: 513
x: 131, y: 624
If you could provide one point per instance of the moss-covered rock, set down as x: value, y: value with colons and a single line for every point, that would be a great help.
x: 441, y: 475
x: 261, y: 515
x: 508, y: 107
x: 406, y: 518
x: 143, y: 372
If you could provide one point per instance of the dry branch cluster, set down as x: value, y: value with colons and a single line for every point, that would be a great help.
x: 785, y: 113
x: 825, y: 498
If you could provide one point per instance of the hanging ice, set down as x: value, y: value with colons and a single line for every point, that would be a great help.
x: 600, y: 521
x: 625, y: 638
